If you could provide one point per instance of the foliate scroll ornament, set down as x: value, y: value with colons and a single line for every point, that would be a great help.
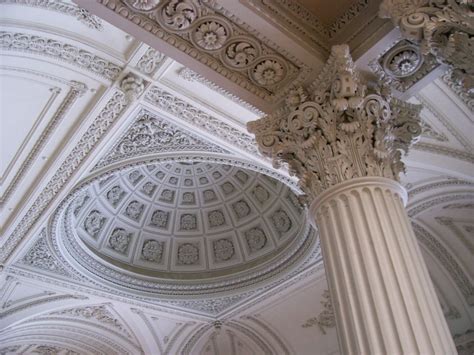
x: 240, y: 53
x: 150, y: 61
x: 340, y: 130
x: 179, y: 15
x: 326, y: 319
x: 444, y: 28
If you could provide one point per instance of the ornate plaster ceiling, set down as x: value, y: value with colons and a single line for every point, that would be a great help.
x: 80, y: 136
x: 187, y: 220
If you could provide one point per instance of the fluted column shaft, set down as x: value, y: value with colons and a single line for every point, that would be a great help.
x: 383, y: 297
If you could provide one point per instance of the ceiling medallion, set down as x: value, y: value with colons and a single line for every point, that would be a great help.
x: 403, y: 61
x: 143, y: 5
x: 186, y: 228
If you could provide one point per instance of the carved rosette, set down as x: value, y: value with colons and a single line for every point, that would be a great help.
x: 444, y: 28
x: 340, y: 130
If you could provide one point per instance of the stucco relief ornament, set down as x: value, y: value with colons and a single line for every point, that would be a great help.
x: 143, y: 5
x: 339, y: 130
x: 210, y: 35
x: 94, y: 223
x: 256, y: 239
x: 152, y: 250
x: 444, y: 28
x: 134, y: 210
x: 240, y: 53
x: 159, y: 219
x: 268, y: 72
x: 216, y: 218
x: 119, y: 240
x: 223, y: 249
x: 188, y: 254
x: 133, y: 86
x: 179, y: 14
x: 405, y: 61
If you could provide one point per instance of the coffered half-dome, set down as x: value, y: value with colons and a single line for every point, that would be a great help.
x: 184, y: 221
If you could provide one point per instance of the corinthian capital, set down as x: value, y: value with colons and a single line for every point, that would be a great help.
x: 444, y: 28
x: 337, y: 129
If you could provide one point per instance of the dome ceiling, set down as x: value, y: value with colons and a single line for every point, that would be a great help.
x: 184, y: 221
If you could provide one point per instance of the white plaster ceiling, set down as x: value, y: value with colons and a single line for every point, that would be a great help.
x: 186, y: 220
x: 63, y: 127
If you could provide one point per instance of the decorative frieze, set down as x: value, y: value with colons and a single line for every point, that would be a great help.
x: 338, y: 129
x: 66, y: 8
x: 62, y: 51
x: 203, y: 31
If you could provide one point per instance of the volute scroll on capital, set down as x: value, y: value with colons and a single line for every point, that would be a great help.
x: 338, y: 129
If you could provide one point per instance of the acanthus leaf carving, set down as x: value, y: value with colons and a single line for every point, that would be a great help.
x: 326, y: 319
x: 150, y: 134
x: 339, y: 130
x: 41, y: 257
x: 99, y: 313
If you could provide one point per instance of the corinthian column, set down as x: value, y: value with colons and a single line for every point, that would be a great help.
x: 345, y: 143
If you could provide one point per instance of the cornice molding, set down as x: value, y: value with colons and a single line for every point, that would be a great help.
x: 192, y: 76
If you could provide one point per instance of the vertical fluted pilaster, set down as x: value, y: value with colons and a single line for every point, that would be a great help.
x: 383, y: 297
